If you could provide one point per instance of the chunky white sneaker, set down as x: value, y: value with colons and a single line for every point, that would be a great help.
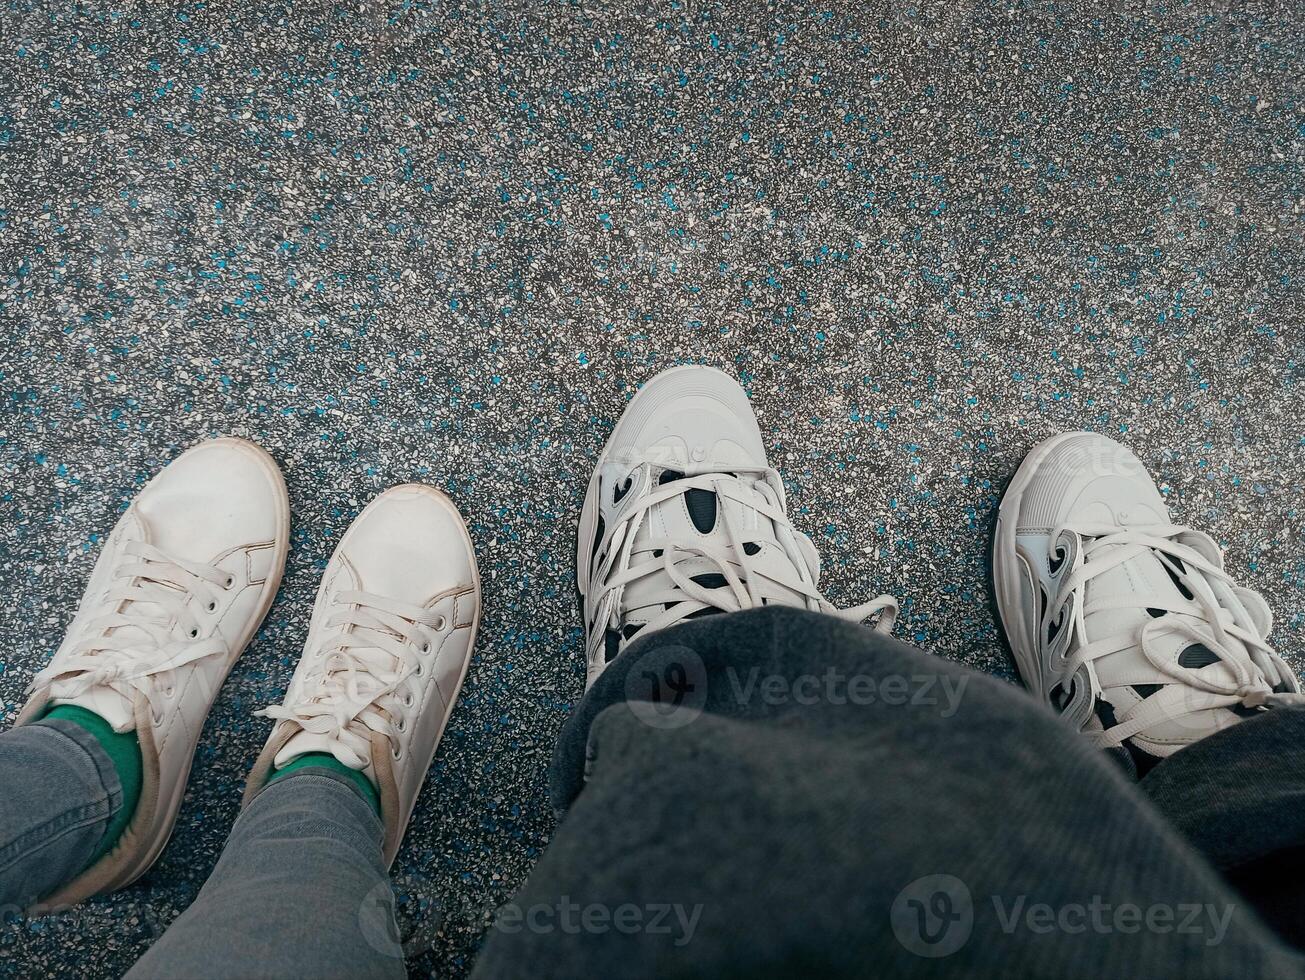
x: 685, y: 516
x: 388, y: 647
x: 1122, y: 620
x: 183, y: 582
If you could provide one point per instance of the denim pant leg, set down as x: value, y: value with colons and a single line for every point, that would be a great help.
x: 58, y: 793
x: 301, y: 890
x: 776, y: 793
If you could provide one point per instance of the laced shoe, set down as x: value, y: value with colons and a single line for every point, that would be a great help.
x: 1124, y: 621
x: 685, y: 517
x: 181, y: 585
x: 388, y: 646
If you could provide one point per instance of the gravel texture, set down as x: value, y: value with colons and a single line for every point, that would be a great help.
x: 445, y: 243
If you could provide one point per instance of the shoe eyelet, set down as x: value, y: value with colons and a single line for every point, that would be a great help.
x: 402, y: 725
x: 407, y: 701
x: 194, y: 633
x: 211, y: 607
x: 231, y: 580
x: 396, y: 753
x: 425, y: 647
x: 420, y: 670
x: 440, y: 624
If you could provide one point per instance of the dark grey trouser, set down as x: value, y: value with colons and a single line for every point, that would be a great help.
x: 776, y: 793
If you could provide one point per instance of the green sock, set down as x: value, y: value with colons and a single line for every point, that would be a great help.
x: 124, y: 752
x: 324, y: 760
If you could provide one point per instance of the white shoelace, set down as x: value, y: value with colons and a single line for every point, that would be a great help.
x: 746, y: 585
x: 155, y: 602
x: 356, y: 689
x: 1255, y: 667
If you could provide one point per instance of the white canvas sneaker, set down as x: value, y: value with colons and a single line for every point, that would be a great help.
x: 1122, y: 620
x: 176, y: 595
x: 388, y: 647
x: 685, y: 516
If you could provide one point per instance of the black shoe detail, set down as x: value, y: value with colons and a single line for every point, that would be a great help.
x: 598, y: 537
x: 702, y: 509
x: 1053, y: 629
x: 1187, y: 593
x: 710, y: 580
x: 1197, y: 655
x: 1139, y: 761
x: 622, y: 490
x: 1146, y: 690
x: 612, y: 644
x: 701, y: 503
x: 751, y: 547
x: 1061, y: 696
x: 1056, y: 560
x: 1156, y: 613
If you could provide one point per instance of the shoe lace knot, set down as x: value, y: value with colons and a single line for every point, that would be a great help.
x: 360, y: 684
x: 148, y: 627
x: 1213, y: 613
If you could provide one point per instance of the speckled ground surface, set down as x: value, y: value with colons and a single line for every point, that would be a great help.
x: 395, y: 241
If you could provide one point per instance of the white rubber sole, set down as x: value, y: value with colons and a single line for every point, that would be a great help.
x: 1005, y: 568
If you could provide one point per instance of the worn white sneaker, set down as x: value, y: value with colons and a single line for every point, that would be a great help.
x: 181, y: 585
x: 1121, y: 619
x: 685, y: 516
x: 388, y: 647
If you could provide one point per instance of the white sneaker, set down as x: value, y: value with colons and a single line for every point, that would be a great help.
x: 181, y: 585
x: 388, y: 647
x: 685, y: 516
x: 1121, y: 619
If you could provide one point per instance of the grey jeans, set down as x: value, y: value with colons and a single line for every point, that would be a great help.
x: 768, y: 794
x: 300, y: 890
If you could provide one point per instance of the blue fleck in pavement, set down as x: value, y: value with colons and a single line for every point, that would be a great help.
x: 403, y: 241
